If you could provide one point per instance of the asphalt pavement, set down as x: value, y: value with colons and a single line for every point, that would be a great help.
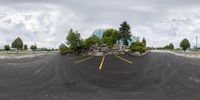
x: 155, y: 76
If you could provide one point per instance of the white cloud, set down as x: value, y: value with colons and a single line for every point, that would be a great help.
x: 178, y: 24
x: 43, y: 27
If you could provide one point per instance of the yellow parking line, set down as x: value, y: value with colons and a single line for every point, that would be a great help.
x: 101, y: 64
x: 83, y: 60
x: 124, y: 59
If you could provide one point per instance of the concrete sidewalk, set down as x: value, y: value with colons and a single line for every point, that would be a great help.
x: 23, y: 55
x: 190, y: 54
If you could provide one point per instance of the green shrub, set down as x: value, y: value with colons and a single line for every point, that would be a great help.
x: 64, y: 49
x: 138, y: 47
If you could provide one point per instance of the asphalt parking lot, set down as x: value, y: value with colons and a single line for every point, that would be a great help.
x: 155, y: 76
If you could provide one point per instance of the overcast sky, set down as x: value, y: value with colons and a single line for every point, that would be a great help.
x: 47, y: 22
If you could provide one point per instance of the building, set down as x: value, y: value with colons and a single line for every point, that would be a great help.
x: 99, y: 33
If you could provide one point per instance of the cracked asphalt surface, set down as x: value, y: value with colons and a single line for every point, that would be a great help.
x: 155, y: 76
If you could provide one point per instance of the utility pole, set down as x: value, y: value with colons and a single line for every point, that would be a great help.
x: 196, y: 43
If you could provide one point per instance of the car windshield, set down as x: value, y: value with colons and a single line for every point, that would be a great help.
x: 99, y: 50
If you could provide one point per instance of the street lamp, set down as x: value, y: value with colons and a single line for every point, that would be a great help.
x: 197, y: 42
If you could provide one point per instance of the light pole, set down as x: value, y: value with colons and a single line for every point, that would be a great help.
x: 196, y: 43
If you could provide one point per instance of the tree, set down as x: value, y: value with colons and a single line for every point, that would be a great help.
x: 74, y: 40
x: 81, y: 47
x: 92, y: 41
x: 125, y: 33
x: 114, y: 34
x: 7, y: 48
x: 110, y: 37
x: 171, y: 46
x: 18, y: 44
x: 108, y: 41
x: 63, y: 49
x: 25, y: 47
x: 185, y: 44
x: 165, y: 47
x: 138, y: 47
x: 33, y: 47
x: 144, y: 42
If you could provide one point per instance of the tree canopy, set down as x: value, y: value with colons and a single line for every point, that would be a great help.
x: 92, y: 41
x: 33, y: 47
x: 74, y: 40
x: 25, y: 47
x: 138, y: 47
x: 7, y: 47
x: 125, y: 33
x: 144, y: 42
x: 17, y: 43
x: 169, y: 47
x: 185, y: 44
x: 64, y: 49
x: 110, y: 37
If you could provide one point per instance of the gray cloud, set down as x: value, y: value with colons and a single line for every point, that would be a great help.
x: 46, y: 22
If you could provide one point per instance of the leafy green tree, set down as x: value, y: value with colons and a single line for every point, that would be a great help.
x: 81, y: 48
x: 185, y: 44
x: 108, y: 41
x: 114, y: 34
x: 171, y: 46
x: 25, y: 47
x: 165, y: 47
x: 63, y: 49
x: 18, y: 44
x: 144, y: 42
x: 110, y: 37
x: 125, y: 33
x: 138, y: 47
x: 33, y: 47
x: 74, y: 40
x: 7, y: 48
x: 92, y: 41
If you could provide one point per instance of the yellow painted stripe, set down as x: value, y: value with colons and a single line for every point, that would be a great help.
x: 101, y: 64
x: 83, y: 60
x: 124, y: 59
